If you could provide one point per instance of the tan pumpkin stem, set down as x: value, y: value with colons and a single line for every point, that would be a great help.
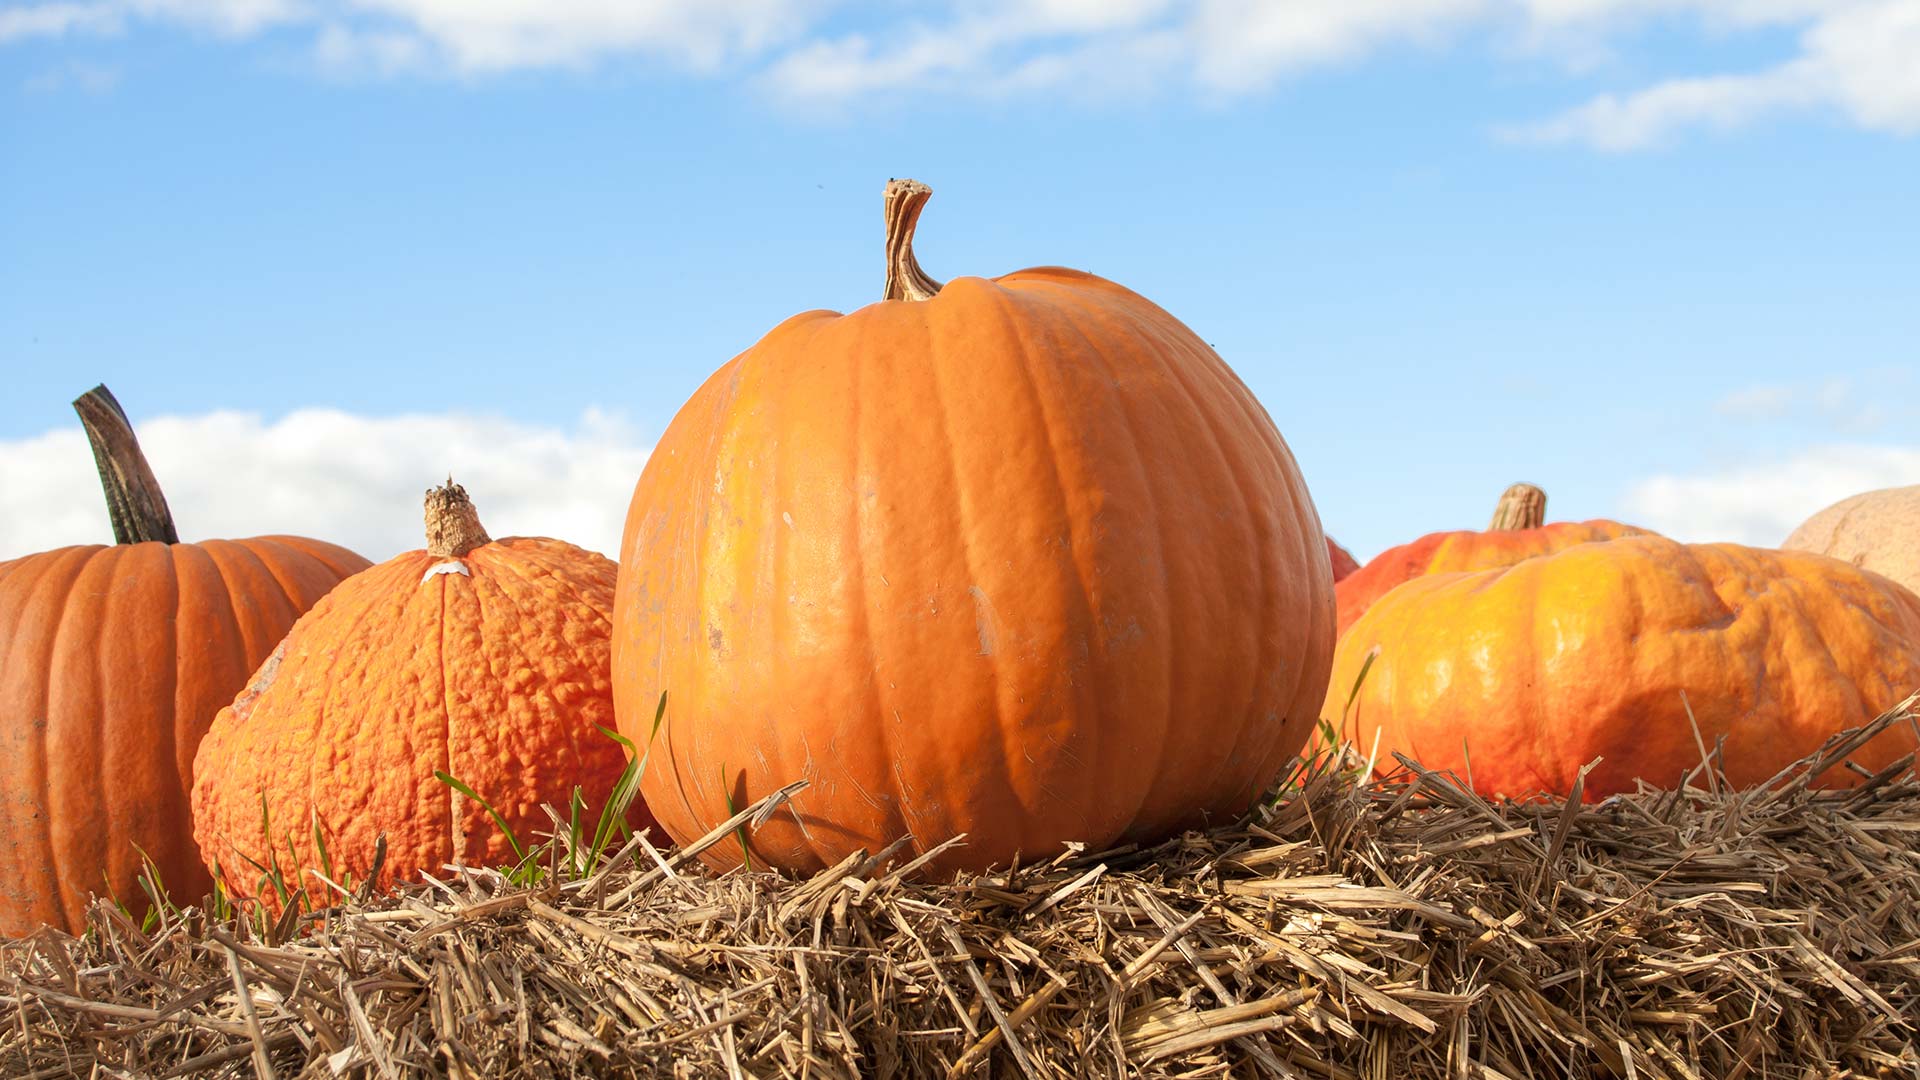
x: 134, y: 501
x: 1522, y: 506
x: 905, y: 280
x: 453, y: 525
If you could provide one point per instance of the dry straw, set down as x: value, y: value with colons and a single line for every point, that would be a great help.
x: 1395, y: 927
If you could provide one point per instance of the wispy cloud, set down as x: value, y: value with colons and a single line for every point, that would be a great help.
x: 354, y: 480
x: 1845, y: 405
x: 75, y: 75
x: 1856, y: 59
x: 57, y: 20
x: 1861, y: 59
x: 1761, y: 503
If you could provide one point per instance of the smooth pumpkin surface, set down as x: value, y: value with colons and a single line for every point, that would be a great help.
x: 113, y: 661
x: 489, y: 663
x: 1519, y: 531
x: 1878, y: 530
x: 1022, y: 560
x: 1530, y: 671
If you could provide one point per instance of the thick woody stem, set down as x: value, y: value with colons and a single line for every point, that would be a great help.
x: 905, y: 280
x: 1522, y: 506
x: 134, y: 500
x: 453, y: 525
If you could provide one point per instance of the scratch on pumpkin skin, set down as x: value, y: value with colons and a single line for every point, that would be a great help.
x: 982, y: 618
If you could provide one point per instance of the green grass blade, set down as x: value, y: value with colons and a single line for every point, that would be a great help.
x: 454, y: 782
x: 740, y: 831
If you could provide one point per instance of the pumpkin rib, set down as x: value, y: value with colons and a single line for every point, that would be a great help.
x: 291, y: 567
x: 932, y: 347
x: 254, y: 639
x: 1154, y: 499
x: 689, y: 535
x: 777, y: 552
x: 316, y: 778
x: 55, y: 864
x: 859, y: 424
x: 1262, y: 527
x: 1022, y: 355
x: 327, y: 555
x: 71, y: 833
x: 509, y: 558
x: 1210, y: 424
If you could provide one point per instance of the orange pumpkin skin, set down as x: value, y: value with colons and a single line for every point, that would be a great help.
x: 1344, y: 564
x: 497, y: 676
x: 1523, y: 674
x: 116, y: 659
x: 1463, y: 549
x: 1024, y: 561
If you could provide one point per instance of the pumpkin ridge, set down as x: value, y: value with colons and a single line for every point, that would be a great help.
x: 495, y: 565
x: 218, y: 552
x: 504, y: 556
x: 1209, y: 424
x: 456, y: 833
x: 320, y: 551
x: 691, y: 535
x: 1259, y: 537
x: 63, y: 827
x: 245, y: 552
x: 51, y: 860
x: 1323, y: 621
x: 281, y: 566
x: 937, y: 362
x: 182, y: 782
x: 858, y: 425
x: 1234, y: 466
x: 1123, y: 405
x: 319, y: 700
x: 1079, y: 543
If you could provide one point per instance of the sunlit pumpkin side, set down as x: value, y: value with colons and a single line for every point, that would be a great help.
x: 1017, y: 558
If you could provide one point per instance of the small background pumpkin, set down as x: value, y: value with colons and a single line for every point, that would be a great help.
x: 1344, y: 564
x: 485, y: 659
x: 1518, y: 676
x: 1518, y: 531
x: 1018, y: 558
x: 115, y: 661
x: 1878, y: 530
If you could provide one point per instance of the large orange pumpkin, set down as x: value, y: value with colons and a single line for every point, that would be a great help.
x: 1522, y: 674
x: 113, y: 661
x: 1018, y: 558
x: 1518, y: 531
x: 484, y: 659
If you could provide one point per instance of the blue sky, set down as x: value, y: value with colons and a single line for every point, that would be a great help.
x: 1659, y: 256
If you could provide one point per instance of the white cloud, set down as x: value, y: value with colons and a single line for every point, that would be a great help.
x: 55, y: 20
x: 1839, y: 404
x: 75, y: 75
x: 1757, y: 403
x: 1761, y: 504
x: 354, y: 480
x: 1647, y: 118
x: 1858, y: 59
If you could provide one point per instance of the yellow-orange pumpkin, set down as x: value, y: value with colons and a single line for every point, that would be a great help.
x: 484, y: 659
x: 1519, y: 531
x: 1018, y: 558
x: 113, y: 661
x: 1520, y: 675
